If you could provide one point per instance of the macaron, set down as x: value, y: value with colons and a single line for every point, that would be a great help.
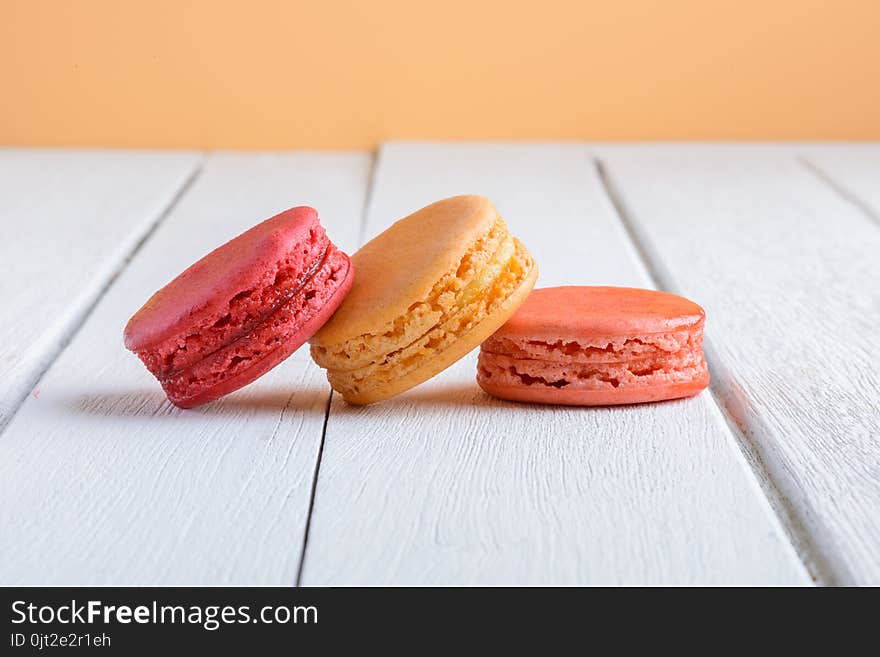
x: 429, y: 290
x: 242, y: 309
x: 590, y: 346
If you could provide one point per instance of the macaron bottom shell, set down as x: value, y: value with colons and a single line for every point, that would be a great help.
x: 506, y: 378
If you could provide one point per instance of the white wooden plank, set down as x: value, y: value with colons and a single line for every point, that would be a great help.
x: 788, y: 272
x: 852, y: 169
x: 70, y: 219
x: 102, y: 481
x: 444, y: 485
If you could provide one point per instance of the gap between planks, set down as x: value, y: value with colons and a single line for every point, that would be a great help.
x: 368, y: 197
x: 80, y: 319
x: 779, y: 502
x: 841, y: 190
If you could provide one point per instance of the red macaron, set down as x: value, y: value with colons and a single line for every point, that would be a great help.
x: 242, y: 309
x: 589, y: 346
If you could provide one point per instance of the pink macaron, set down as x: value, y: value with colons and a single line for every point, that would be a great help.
x: 241, y: 309
x: 590, y: 346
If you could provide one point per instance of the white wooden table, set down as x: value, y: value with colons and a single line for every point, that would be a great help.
x: 772, y: 477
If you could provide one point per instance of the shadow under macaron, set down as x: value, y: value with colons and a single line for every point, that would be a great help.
x: 143, y: 403
x: 459, y: 394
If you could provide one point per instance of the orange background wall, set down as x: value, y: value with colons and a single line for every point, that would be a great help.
x: 344, y: 74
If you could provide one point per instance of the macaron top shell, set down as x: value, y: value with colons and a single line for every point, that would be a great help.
x: 599, y: 312
x: 241, y: 265
x: 400, y: 266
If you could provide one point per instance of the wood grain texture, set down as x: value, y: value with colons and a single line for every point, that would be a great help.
x: 70, y: 219
x: 787, y: 271
x: 103, y: 482
x: 445, y: 485
x: 852, y: 169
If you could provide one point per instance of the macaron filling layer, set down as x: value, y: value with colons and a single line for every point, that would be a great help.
x: 400, y: 362
x: 639, y: 361
x: 587, y: 350
x: 272, y: 333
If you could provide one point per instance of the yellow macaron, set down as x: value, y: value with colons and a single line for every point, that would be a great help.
x: 426, y: 292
